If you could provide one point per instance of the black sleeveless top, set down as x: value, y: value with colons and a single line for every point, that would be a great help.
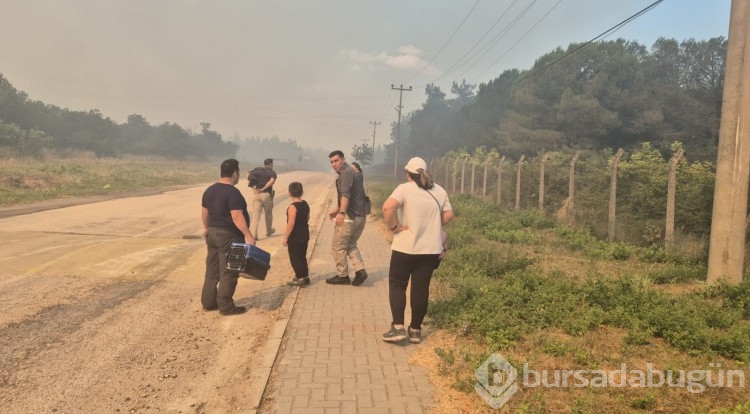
x: 301, y: 231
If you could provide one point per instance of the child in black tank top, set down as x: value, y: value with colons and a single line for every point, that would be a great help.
x: 297, y: 235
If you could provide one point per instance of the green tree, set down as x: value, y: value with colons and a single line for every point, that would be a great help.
x: 363, y: 153
x: 464, y: 91
x: 582, y: 121
x: 27, y: 143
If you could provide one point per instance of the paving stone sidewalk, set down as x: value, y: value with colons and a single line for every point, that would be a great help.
x: 333, y: 359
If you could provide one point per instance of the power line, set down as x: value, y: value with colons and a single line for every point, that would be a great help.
x: 609, y: 31
x: 494, y: 41
x: 388, y: 102
x: 475, y: 44
x: 518, y: 41
x: 446, y: 42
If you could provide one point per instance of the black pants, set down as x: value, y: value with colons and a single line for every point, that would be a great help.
x: 219, y: 284
x: 419, y: 268
x: 298, y: 258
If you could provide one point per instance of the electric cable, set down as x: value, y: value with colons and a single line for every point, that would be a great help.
x: 609, y: 31
x: 450, y: 70
x: 446, y: 42
x: 494, y: 41
x: 517, y: 42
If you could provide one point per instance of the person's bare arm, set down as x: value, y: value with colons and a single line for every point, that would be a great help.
x: 268, y: 185
x: 446, y: 216
x: 339, y: 217
x: 291, y: 212
x: 239, y: 221
x: 204, y: 218
x: 390, y: 207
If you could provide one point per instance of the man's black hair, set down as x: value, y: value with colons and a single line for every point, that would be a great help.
x: 229, y: 167
x: 335, y: 153
x: 268, y: 161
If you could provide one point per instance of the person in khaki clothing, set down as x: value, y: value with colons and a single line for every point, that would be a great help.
x: 349, y: 218
x: 261, y: 180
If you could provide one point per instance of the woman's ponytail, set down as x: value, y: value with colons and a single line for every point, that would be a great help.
x: 422, y: 179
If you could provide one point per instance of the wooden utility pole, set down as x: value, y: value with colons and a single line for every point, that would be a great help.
x: 726, y: 253
x: 400, y: 90
x: 374, y: 126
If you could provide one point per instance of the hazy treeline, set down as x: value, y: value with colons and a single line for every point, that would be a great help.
x: 28, y: 127
x: 605, y: 95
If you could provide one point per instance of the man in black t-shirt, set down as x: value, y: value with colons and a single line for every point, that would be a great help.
x: 225, y: 217
x: 261, y: 180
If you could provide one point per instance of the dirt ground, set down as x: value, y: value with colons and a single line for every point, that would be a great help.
x: 100, y: 307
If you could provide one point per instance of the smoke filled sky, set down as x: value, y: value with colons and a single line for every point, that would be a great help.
x: 315, y: 71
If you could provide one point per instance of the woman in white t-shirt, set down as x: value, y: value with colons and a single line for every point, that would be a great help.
x: 415, y: 212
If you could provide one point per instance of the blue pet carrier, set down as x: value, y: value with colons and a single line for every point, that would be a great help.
x: 252, y: 262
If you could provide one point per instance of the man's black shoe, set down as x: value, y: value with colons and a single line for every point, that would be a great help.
x: 209, y: 309
x: 234, y: 311
x: 339, y: 280
x: 302, y: 281
x: 359, y: 277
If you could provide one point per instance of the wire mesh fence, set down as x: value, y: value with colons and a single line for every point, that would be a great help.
x: 639, y: 197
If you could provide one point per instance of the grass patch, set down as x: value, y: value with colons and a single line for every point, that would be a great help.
x: 25, y: 181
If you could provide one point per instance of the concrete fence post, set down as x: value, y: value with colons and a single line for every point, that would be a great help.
x: 500, y: 180
x: 613, y: 195
x: 484, y: 177
x: 453, y: 181
x: 463, y: 174
x: 518, y: 181
x: 542, y: 162
x: 671, y: 195
x: 447, y: 173
x: 473, y: 172
x: 570, y: 210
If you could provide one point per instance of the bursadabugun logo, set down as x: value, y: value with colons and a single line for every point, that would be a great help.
x: 497, y: 380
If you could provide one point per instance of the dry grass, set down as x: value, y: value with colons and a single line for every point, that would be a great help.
x: 30, y: 180
x: 552, y: 350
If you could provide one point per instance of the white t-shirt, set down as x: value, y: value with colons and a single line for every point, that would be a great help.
x: 420, y: 212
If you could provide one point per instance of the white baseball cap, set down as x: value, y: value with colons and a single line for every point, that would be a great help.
x: 415, y: 164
